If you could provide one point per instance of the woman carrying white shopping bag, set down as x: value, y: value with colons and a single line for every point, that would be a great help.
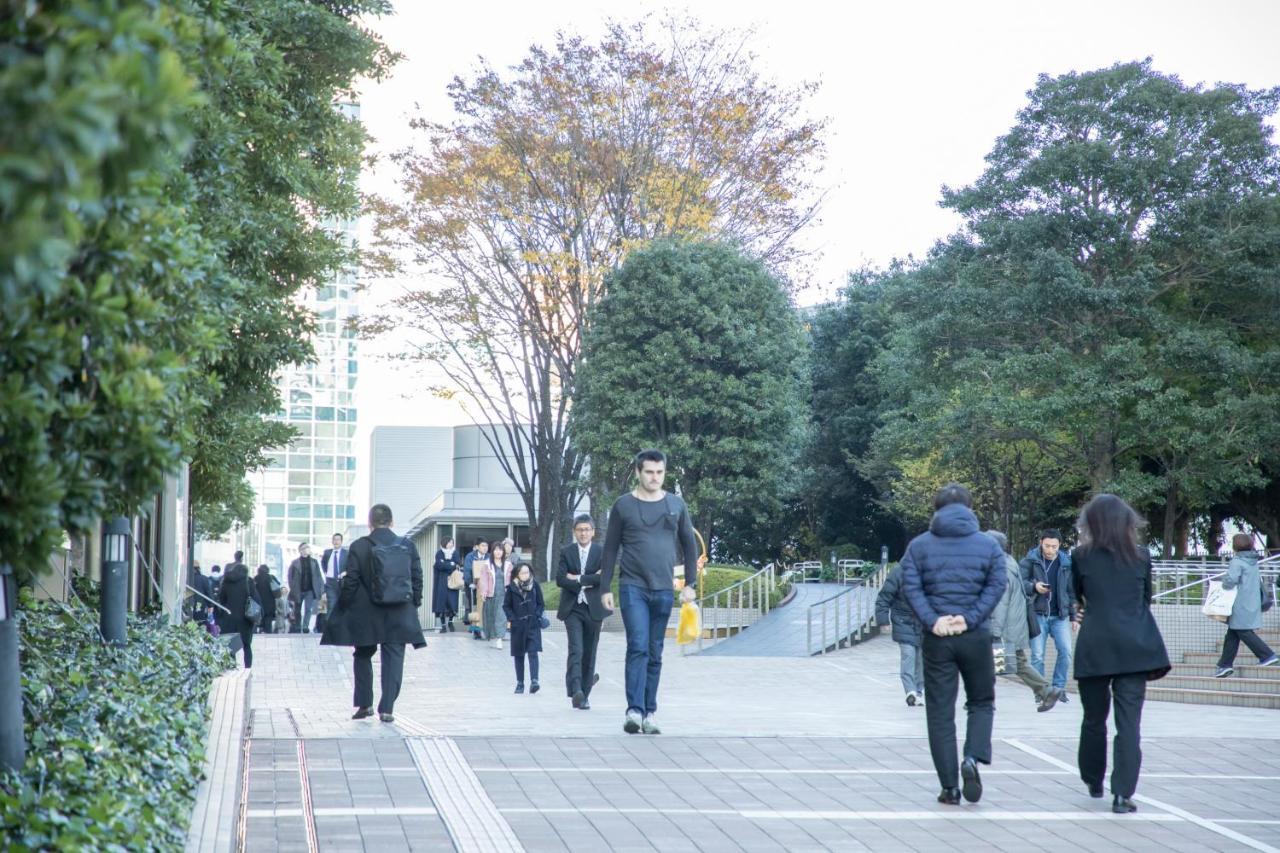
x: 1245, y: 581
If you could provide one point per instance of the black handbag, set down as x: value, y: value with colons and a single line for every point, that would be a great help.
x: 1033, y: 624
x: 252, y: 610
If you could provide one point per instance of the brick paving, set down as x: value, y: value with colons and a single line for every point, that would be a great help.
x: 774, y: 754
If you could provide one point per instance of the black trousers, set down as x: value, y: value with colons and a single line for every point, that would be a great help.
x: 246, y: 637
x: 1096, y: 695
x: 1231, y: 647
x: 392, y: 657
x: 584, y: 638
x: 947, y: 660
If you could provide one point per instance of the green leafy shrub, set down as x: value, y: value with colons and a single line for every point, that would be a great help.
x: 115, y: 736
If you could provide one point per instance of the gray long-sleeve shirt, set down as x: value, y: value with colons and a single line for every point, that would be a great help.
x: 646, y: 533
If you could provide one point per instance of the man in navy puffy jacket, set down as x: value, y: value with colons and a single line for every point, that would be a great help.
x: 953, y: 577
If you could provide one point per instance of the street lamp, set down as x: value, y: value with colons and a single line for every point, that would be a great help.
x: 115, y: 580
x: 12, y: 746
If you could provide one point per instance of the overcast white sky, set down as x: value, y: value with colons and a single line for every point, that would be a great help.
x: 916, y: 93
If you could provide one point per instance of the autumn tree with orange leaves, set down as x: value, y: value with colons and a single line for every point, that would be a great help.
x: 548, y: 175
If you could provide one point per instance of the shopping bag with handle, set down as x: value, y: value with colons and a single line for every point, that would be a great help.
x: 1218, y: 602
x: 690, y: 625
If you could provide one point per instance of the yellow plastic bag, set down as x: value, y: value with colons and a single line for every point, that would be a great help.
x: 690, y: 624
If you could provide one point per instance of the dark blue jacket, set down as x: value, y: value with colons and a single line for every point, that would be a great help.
x: 1060, y: 602
x: 953, y: 570
x: 892, y: 606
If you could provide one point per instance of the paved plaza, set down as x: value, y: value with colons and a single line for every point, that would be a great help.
x: 758, y: 754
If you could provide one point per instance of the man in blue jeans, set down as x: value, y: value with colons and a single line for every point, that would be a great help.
x: 646, y: 524
x: 1046, y: 575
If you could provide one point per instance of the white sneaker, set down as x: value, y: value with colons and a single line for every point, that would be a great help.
x: 499, y: 643
x: 920, y: 699
x: 633, y: 723
x: 650, y: 726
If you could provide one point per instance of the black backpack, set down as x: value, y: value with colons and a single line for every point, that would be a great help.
x: 392, y: 576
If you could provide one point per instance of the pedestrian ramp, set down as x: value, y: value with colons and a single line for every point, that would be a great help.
x: 818, y: 617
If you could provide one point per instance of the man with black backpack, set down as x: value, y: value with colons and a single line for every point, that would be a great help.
x: 378, y: 599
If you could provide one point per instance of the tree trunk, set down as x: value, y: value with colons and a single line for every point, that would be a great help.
x: 1170, y: 530
x: 1101, y: 461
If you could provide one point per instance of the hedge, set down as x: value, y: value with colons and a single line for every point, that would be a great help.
x: 115, y: 736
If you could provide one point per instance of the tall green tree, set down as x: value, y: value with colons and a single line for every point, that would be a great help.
x: 696, y: 349
x: 1101, y: 302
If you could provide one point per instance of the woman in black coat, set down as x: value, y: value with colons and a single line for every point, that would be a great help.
x: 1119, y: 648
x: 524, y: 607
x: 266, y: 597
x: 444, y: 601
x: 234, y: 594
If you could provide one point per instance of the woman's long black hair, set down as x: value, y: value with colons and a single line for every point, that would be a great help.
x: 1109, y: 524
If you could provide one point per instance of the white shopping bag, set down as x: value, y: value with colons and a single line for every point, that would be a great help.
x: 1218, y: 602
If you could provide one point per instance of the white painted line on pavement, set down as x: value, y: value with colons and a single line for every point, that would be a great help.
x: 1210, y: 825
x: 870, y: 678
x: 850, y: 815
x: 772, y: 771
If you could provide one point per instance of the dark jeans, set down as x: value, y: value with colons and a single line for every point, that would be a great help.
x: 533, y: 667
x: 1231, y: 647
x: 584, y: 638
x: 645, y: 613
x: 1129, y: 691
x: 246, y: 637
x: 965, y: 656
x: 392, y: 657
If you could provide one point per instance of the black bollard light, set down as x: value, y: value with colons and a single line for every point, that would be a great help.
x: 115, y: 580
x: 13, y: 747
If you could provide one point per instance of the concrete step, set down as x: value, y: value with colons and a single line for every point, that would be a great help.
x: 1245, y: 657
x: 1230, y: 684
x: 1157, y: 693
x: 1265, y: 673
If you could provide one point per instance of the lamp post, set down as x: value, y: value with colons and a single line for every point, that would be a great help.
x: 13, y: 747
x: 115, y: 580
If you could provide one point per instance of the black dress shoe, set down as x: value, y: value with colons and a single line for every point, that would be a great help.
x: 534, y: 687
x: 451, y: 626
x: 578, y: 699
x: 1123, y: 805
x: 595, y: 679
x: 520, y: 687
x: 1095, y: 791
x: 949, y: 797
x: 585, y: 706
x: 972, y: 781
x: 361, y: 713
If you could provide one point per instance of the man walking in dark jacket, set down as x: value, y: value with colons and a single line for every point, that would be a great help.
x: 954, y: 576
x: 370, y: 626
x: 892, y: 604
x: 581, y: 609
x: 1046, y: 579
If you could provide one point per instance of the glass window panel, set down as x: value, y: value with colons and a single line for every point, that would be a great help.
x: 275, y: 460
x: 325, y: 430
x: 349, y: 430
x: 299, y: 510
x: 299, y: 478
x: 275, y: 528
x: 351, y: 381
x: 275, y: 510
x: 349, y: 462
x: 324, y: 413
x: 299, y: 460
x: 323, y: 479
x: 322, y: 510
x: 299, y: 528
x: 351, y: 513
x: 300, y: 413
x: 299, y: 395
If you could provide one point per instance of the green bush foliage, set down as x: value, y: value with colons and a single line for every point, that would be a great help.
x: 116, y: 735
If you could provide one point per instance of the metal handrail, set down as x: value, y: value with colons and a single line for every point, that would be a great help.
x: 853, y: 626
x: 206, y: 598
x: 757, y: 591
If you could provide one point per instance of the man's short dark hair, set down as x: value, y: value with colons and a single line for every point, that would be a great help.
x: 1051, y: 533
x: 239, y: 556
x: 952, y: 493
x: 650, y: 455
x: 584, y: 518
x: 379, y: 515
x: 339, y: 535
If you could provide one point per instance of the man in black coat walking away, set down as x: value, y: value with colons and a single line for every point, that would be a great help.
x: 954, y: 576
x: 378, y: 600
x: 581, y: 609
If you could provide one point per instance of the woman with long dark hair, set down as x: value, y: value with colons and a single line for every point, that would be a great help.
x: 1119, y: 648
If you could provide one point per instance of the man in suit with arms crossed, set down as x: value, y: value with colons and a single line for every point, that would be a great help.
x: 581, y: 609
x: 334, y: 563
